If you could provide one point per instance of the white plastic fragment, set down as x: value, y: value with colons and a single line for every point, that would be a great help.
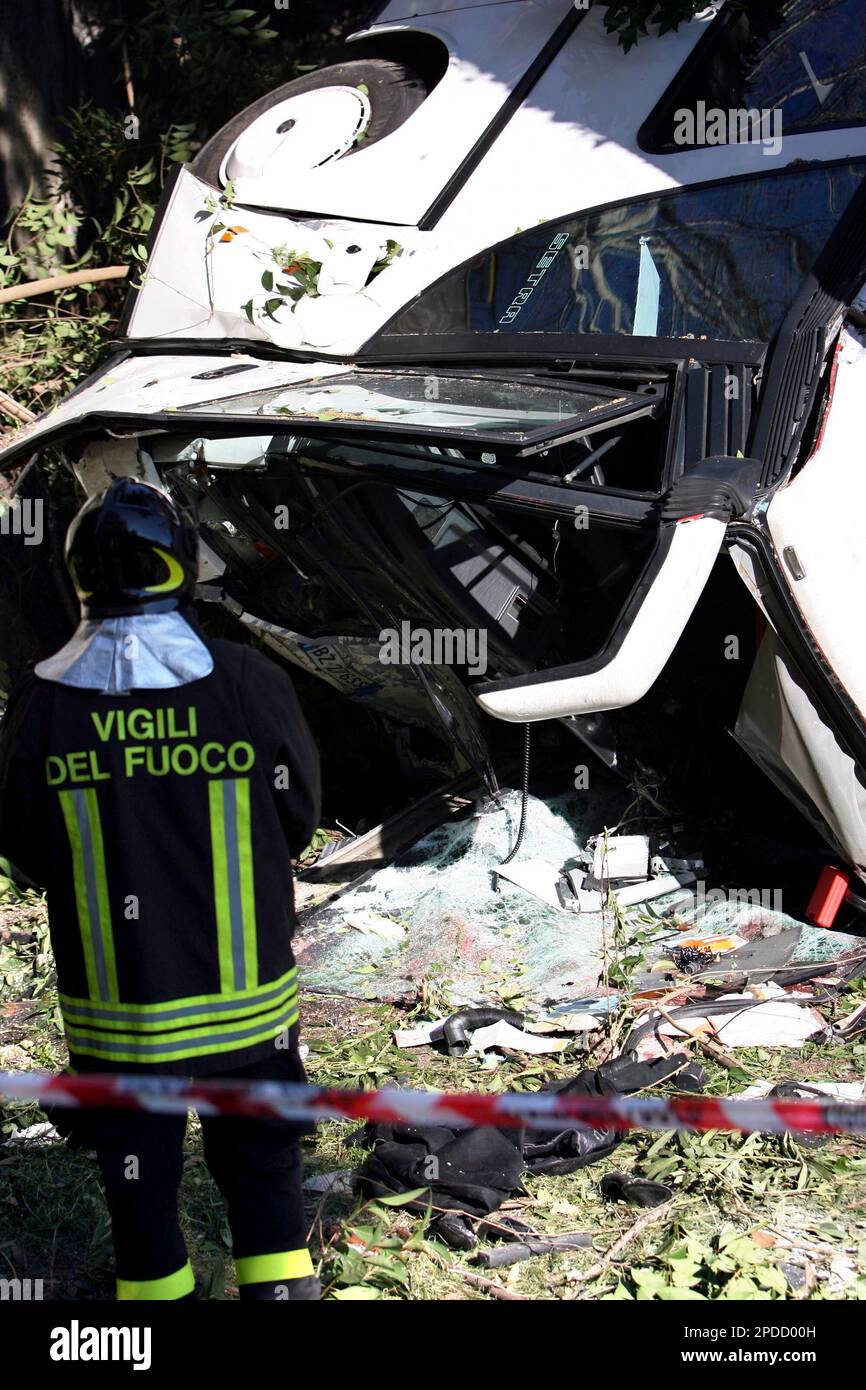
x: 372, y: 925
x: 668, y: 864
x: 774, y: 1021
x: 421, y: 1035
x: 589, y: 900
x: 504, y: 1034
x: 44, y: 1132
x: 633, y: 893
x: 621, y: 856
x: 534, y: 876
x: 577, y: 1022
x: 771, y: 1022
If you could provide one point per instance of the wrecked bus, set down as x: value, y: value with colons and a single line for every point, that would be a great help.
x: 445, y: 340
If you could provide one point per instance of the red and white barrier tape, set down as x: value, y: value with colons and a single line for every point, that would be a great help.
x: 542, y: 1110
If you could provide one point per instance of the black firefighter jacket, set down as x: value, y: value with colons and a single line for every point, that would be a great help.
x: 161, y: 823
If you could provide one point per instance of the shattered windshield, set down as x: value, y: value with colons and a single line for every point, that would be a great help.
x: 512, y: 410
x: 721, y: 261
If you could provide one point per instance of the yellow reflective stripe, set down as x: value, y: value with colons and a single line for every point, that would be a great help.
x: 118, y: 1019
x: 240, y: 998
x: 176, y: 1285
x: 247, y: 887
x: 67, y: 806
x: 81, y: 817
x: 176, y: 574
x: 171, y: 1035
x: 269, y: 1269
x: 233, y: 882
x: 97, y: 1047
x: 221, y: 886
x: 102, y: 891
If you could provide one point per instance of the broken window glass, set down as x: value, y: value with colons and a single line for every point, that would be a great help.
x: 513, y: 411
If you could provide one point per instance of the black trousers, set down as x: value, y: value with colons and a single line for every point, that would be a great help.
x: 255, y: 1163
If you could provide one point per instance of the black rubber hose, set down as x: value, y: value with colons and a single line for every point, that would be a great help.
x: 521, y: 830
x: 458, y: 1029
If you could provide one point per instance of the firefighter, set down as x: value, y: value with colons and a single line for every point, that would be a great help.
x: 156, y: 782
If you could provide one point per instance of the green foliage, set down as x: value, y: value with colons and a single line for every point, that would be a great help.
x: 732, y: 1266
x: 359, y: 1063
x: 392, y: 249
x: 212, y: 54
x: 630, y: 19
x: 321, y: 837
x: 191, y: 64
x: 369, y: 1256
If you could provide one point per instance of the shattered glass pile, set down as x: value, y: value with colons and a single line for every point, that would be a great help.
x: 434, y: 914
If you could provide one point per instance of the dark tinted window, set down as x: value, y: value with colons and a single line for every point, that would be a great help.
x: 805, y: 59
x: 717, y: 261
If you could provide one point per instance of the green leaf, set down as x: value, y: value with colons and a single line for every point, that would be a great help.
x: 742, y: 1287
x: 743, y: 1250
x: 357, y: 1293
x: 401, y: 1199
x: 649, y: 1282
x: 772, y: 1277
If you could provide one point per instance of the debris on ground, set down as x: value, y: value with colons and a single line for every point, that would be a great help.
x: 550, y: 929
x: 763, y: 1017
x: 634, y: 1189
x: 683, y: 994
x: 502, y: 1035
x: 371, y: 925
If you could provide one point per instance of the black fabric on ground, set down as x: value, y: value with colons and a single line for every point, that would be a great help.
x: 470, y: 1170
x: 462, y: 1234
x: 577, y: 1146
x: 631, y: 1187
x: 475, y: 1170
x: 515, y: 1252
